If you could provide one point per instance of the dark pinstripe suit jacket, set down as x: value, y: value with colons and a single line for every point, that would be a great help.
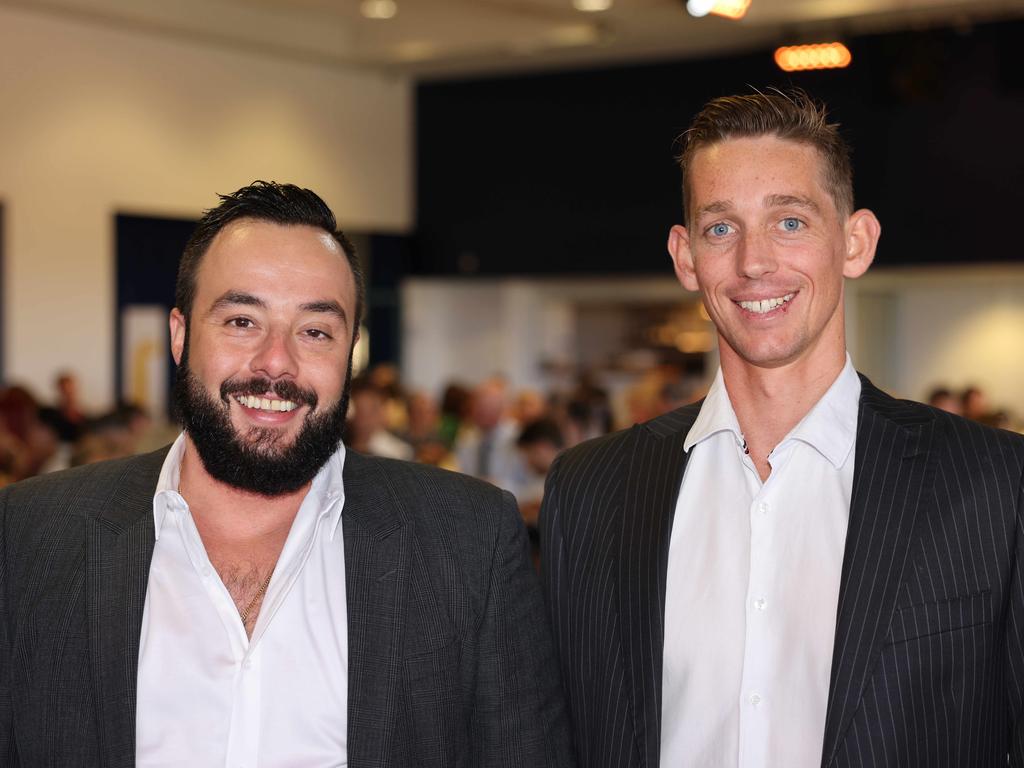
x: 928, y: 668
x: 450, y: 655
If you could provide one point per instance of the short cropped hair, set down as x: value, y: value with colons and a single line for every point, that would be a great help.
x: 791, y: 115
x: 263, y: 201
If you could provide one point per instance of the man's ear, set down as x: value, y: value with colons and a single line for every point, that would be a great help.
x: 862, y: 232
x: 682, y: 257
x: 178, y: 324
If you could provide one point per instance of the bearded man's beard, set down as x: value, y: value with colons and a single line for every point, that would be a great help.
x: 258, y: 461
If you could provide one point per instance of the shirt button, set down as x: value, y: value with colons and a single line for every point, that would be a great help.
x: 247, y: 664
x: 763, y: 508
x: 755, y: 699
x: 760, y: 603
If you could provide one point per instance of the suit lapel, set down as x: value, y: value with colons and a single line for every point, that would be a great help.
x: 656, y: 463
x: 119, y: 548
x: 376, y: 577
x: 891, y: 473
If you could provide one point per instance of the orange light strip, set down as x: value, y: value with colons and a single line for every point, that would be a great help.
x: 796, y: 58
x: 730, y: 9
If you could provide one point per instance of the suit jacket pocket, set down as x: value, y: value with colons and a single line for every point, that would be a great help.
x: 944, y: 615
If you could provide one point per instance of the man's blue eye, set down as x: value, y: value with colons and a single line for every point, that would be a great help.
x: 720, y: 229
x: 791, y: 225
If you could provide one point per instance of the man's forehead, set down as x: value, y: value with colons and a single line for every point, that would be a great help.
x: 252, y: 232
x: 267, y: 260
x: 793, y: 170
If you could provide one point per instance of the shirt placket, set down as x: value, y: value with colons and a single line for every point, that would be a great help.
x: 244, y: 729
x: 244, y: 735
x: 755, y: 692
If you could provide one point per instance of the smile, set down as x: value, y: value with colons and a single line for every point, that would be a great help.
x: 765, y: 305
x: 263, y: 404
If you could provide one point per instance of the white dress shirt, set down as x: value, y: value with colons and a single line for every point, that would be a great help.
x: 210, y: 696
x: 753, y: 585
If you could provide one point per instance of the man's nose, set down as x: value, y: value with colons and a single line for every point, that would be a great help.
x: 755, y: 256
x: 276, y: 356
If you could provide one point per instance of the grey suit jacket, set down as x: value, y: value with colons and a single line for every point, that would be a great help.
x: 450, y: 655
x: 928, y: 667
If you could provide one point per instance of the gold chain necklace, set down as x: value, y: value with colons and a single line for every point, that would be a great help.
x: 252, y: 604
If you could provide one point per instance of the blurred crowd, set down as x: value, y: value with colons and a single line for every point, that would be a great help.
x: 486, y: 429
x: 38, y: 436
x: 971, y: 403
x: 508, y: 437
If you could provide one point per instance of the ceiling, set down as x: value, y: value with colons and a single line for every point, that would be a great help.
x: 445, y: 38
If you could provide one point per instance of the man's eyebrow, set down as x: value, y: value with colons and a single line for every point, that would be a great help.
x: 719, y: 206
x: 232, y: 298
x: 787, y: 201
x: 329, y: 306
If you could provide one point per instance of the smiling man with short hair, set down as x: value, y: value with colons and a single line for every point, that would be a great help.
x: 798, y: 570
x: 255, y: 595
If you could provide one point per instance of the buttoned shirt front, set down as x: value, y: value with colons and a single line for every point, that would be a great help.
x: 753, y: 585
x: 208, y: 695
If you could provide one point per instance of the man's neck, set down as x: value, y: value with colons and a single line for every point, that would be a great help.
x: 231, y: 519
x: 769, y: 402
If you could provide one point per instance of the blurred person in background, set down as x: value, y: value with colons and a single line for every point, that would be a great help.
x: 385, y: 377
x: 121, y: 433
x: 539, y: 444
x: 974, y: 404
x: 455, y: 406
x: 486, y: 447
x: 801, y: 570
x: 529, y: 406
x: 34, y: 443
x: 367, y: 430
x: 66, y: 417
x: 424, y: 431
x: 588, y: 411
x: 9, y: 448
x: 944, y: 399
x: 255, y: 593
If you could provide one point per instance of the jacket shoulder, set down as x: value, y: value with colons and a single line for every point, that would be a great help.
x: 596, y: 454
x: 969, y: 444
x: 81, y: 491
x: 412, y: 481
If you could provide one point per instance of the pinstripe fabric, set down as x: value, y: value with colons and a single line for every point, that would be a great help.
x: 928, y: 668
x: 450, y: 658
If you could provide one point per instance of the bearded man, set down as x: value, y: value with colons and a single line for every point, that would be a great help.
x: 253, y: 595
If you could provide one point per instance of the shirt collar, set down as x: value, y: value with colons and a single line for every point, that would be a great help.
x: 716, y: 415
x: 830, y: 427
x: 327, y: 492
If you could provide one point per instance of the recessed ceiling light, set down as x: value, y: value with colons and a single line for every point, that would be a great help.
x: 591, y: 6
x: 378, y: 9
x: 699, y: 7
x: 730, y: 9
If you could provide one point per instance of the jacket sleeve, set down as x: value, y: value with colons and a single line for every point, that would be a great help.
x: 554, y: 564
x: 1015, y: 637
x: 519, y: 713
x: 8, y: 752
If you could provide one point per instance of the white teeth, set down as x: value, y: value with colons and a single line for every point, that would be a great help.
x: 263, y: 404
x: 765, y: 305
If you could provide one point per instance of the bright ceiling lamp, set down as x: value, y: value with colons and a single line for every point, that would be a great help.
x: 591, y: 6
x: 378, y: 9
x: 798, y: 58
x: 730, y: 9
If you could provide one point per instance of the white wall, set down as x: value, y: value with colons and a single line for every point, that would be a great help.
x: 98, y: 121
x: 953, y: 327
x: 525, y: 330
